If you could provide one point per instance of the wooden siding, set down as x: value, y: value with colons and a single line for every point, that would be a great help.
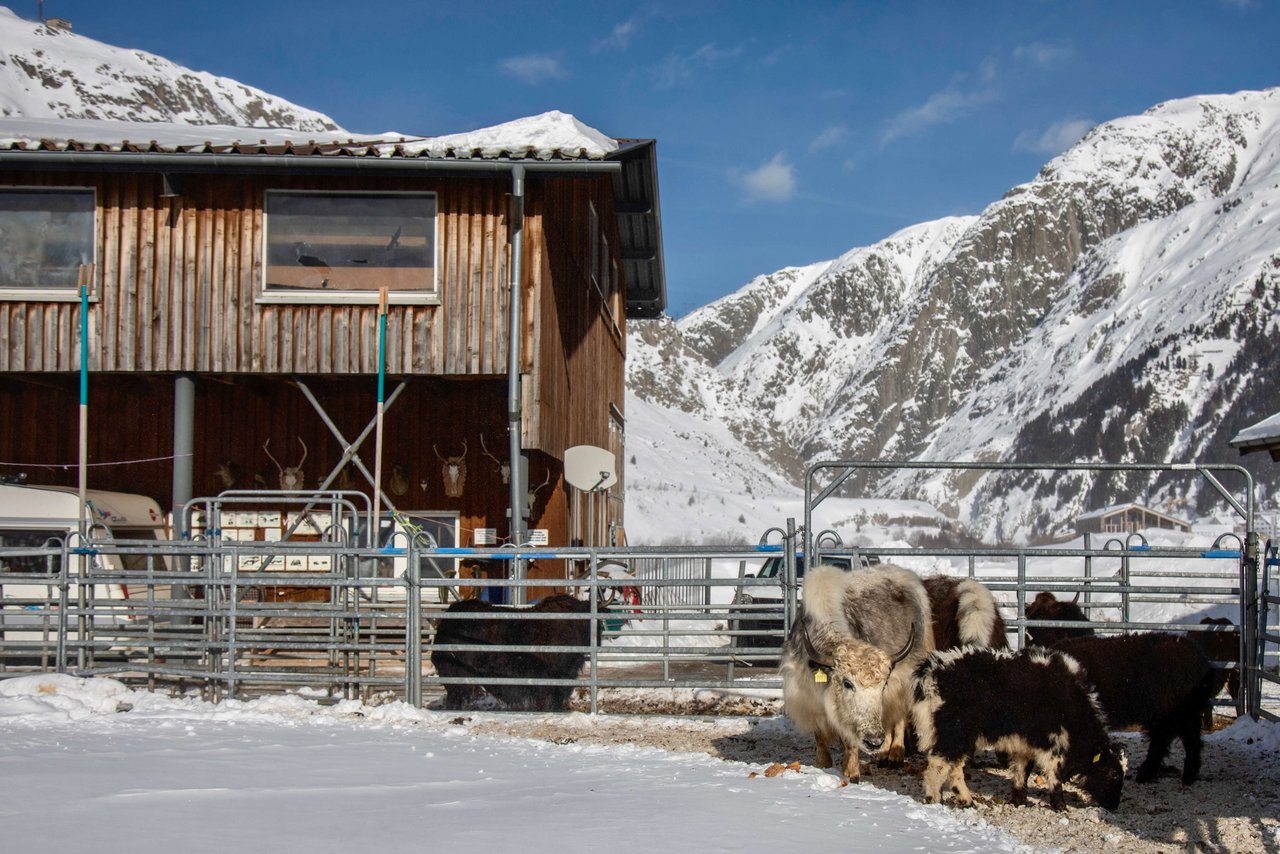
x: 131, y: 436
x: 580, y: 356
x: 176, y: 284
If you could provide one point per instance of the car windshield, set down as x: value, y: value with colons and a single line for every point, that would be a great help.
x: 773, y: 566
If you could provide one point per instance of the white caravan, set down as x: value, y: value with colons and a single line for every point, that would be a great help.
x: 32, y: 516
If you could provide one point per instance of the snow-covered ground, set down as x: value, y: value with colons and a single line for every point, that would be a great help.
x: 92, y: 765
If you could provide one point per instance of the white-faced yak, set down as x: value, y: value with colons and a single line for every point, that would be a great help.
x: 847, y: 663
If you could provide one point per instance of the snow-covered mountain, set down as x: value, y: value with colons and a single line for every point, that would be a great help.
x: 1120, y: 307
x: 47, y: 71
x: 1124, y: 306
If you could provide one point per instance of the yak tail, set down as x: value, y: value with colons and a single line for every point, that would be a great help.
x: 979, y: 618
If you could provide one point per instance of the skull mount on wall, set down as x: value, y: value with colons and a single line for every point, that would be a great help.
x: 291, y: 476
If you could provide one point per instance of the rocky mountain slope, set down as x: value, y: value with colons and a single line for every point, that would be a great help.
x: 1121, y: 307
x: 50, y: 72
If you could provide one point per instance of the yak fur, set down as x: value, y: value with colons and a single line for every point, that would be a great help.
x: 1046, y: 606
x: 840, y: 680
x: 1223, y: 651
x: 964, y: 614
x: 1030, y: 706
x: 484, y: 628
x: 1157, y: 681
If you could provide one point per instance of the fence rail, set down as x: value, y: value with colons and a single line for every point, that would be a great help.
x: 187, y: 615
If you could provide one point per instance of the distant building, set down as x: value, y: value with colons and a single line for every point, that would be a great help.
x: 1125, y: 519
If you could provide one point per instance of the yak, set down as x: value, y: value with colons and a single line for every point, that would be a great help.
x: 1223, y: 651
x: 1157, y: 681
x: 964, y: 613
x: 482, y: 627
x: 1046, y: 606
x: 1031, y: 706
x: 847, y: 662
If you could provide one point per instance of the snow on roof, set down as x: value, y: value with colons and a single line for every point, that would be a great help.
x: 1264, y: 434
x: 1132, y: 505
x: 548, y: 136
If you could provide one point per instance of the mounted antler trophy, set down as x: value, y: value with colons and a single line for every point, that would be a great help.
x: 291, y: 477
x: 533, y: 492
x: 454, y: 472
x: 228, y: 473
x: 399, y: 480
x: 503, y: 467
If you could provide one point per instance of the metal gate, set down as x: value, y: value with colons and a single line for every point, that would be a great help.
x: 1134, y: 583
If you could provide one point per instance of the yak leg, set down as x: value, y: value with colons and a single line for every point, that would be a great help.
x: 1053, y: 778
x: 1159, y: 737
x: 852, y: 769
x: 935, y: 773
x: 941, y: 772
x: 895, y: 746
x: 822, y: 749
x: 1191, y: 745
x: 1021, y: 770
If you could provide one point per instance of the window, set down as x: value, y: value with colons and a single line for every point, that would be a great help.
x: 344, y: 247
x: 45, y: 235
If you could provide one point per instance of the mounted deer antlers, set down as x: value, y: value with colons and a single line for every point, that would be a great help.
x: 454, y: 472
x: 533, y: 492
x: 503, y: 467
x: 291, y: 477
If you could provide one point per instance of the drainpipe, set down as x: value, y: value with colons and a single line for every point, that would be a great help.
x: 519, y: 473
x: 184, y: 418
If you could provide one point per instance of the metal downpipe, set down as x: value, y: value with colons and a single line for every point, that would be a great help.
x: 514, y: 346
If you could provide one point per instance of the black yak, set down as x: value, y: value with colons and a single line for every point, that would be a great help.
x: 1046, y: 606
x: 501, y: 631
x: 1220, y: 647
x: 847, y: 663
x: 1031, y: 706
x: 1157, y: 681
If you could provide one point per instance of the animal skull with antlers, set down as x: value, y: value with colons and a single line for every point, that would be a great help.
x: 533, y: 492
x: 291, y: 476
x: 454, y: 472
x: 503, y: 467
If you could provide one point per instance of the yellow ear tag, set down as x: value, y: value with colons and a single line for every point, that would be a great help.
x: 1097, y: 757
x: 819, y: 676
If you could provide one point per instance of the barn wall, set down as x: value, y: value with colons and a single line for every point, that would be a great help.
x: 176, y: 283
x: 131, y: 435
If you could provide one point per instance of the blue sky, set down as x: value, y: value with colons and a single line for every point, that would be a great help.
x: 787, y: 133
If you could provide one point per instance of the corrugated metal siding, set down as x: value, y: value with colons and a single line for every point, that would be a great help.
x: 176, y: 284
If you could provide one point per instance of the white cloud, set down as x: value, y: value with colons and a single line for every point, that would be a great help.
x: 939, y: 108
x: 535, y: 68
x: 1241, y: 4
x: 620, y: 37
x: 1040, y: 53
x: 1056, y: 139
x: 676, y: 69
x: 774, y: 181
x: 831, y: 136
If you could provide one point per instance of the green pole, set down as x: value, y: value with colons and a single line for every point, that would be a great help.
x: 382, y: 377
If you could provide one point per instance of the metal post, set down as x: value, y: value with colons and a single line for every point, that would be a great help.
x: 184, y: 418
x: 515, y: 340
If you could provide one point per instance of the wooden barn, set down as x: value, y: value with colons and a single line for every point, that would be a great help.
x: 1126, y: 519
x: 234, y: 315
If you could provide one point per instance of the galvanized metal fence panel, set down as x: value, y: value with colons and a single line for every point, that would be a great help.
x: 194, y: 620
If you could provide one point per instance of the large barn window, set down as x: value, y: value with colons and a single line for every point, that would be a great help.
x: 45, y: 235
x: 344, y: 247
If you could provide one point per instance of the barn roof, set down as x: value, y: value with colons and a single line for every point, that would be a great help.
x: 550, y: 142
x: 1263, y: 436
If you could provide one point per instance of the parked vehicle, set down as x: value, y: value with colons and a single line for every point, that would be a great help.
x: 758, y: 611
x: 37, y: 517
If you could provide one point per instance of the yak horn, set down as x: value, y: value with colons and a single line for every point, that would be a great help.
x: 809, y: 648
x: 906, y: 649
